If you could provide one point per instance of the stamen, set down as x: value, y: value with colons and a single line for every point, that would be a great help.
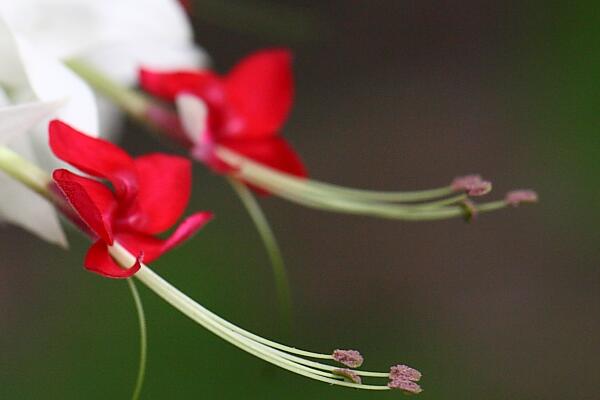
x: 516, y: 197
x: 254, y: 172
x: 401, y: 371
x: 473, y: 185
x: 403, y: 378
x: 305, y: 192
x: 245, y: 341
x: 309, y: 193
x: 348, y: 374
x: 405, y: 385
x: 350, y: 358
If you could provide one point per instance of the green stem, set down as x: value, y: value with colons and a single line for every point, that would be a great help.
x: 139, y: 383
x: 272, y: 247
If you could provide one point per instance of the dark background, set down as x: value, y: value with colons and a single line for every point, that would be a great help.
x: 390, y: 95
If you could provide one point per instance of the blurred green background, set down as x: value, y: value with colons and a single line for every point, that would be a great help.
x: 390, y: 95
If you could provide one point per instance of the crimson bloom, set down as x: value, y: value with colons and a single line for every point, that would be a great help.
x: 245, y: 108
x: 149, y: 195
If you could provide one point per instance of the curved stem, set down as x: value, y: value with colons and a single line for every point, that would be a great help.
x: 143, y: 340
x: 270, y: 242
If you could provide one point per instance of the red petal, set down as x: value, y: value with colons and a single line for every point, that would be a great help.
x: 187, y: 229
x: 152, y: 247
x: 168, y: 85
x: 260, y: 91
x: 164, y: 191
x: 93, y: 156
x: 138, y: 243
x: 273, y: 152
x: 98, y: 260
x: 93, y: 201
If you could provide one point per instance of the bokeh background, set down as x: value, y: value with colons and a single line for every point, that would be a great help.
x: 390, y: 95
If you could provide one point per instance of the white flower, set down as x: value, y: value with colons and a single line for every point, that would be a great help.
x: 31, y: 83
x: 115, y: 36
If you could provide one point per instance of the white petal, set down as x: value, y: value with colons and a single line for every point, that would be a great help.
x: 17, y: 120
x: 111, y: 118
x: 4, y: 100
x: 116, y: 35
x: 61, y: 27
x: 29, y: 75
x: 193, y: 115
x: 121, y: 61
x: 51, y: 80
x: 67, y: 27
x: 12, y: 71
x: 164, y: 19
x: 27, y: 209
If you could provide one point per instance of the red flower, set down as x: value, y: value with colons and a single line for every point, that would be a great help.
x: 150, y: 194
x: 246, y: 108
